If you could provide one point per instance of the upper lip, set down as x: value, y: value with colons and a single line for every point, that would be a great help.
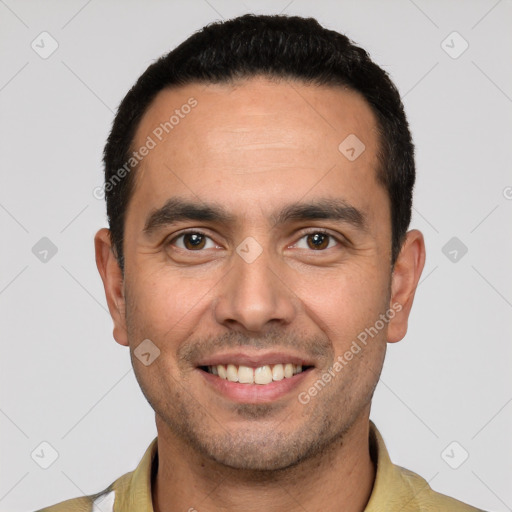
x: 255, y: 359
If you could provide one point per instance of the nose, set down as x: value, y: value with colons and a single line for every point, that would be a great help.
x: 256, y: 295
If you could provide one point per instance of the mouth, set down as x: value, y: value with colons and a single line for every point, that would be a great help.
x: 255, y: 377
x: 261, y: 375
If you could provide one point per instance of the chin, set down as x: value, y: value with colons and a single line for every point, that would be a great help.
x: 252, y: 459
x: 260, y: 453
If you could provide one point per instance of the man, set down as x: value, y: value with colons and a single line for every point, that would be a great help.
x: 259, y: 183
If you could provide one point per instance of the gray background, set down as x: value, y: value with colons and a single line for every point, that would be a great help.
x: 66, y: 382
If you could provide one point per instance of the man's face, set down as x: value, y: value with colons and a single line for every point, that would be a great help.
x: 257, y: 287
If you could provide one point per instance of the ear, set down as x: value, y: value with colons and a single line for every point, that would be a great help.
x: 404, y: 281
x: 113, y: 282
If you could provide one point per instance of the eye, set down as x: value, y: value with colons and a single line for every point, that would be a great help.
x: 193, y: 241
x: 317, y: 241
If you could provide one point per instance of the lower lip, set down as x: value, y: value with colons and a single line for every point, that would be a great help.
x: 254, y: 393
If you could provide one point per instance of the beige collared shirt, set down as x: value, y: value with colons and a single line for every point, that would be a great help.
x: 395, y: 489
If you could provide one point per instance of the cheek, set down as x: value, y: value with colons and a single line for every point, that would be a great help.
x: 164, y: 303
x: 350, y: 287
x: 346, y: 303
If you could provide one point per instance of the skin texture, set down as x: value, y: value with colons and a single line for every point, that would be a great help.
x: 253, y: 148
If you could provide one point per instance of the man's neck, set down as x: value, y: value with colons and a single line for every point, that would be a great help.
x: 340, y: 479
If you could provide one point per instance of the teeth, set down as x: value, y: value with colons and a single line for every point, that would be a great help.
x: 232, y: 373
x: 221, y: 370
x: 261, y: 375
x: 245, y: 375
x: 278, y: 372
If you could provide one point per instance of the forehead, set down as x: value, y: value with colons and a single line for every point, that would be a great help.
x: 234, y: 109
x: 257, y: 135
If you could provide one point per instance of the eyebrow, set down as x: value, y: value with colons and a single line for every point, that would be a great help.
x: 178, y: 209
x: 322, y: 209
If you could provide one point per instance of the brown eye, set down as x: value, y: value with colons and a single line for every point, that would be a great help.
x: 192, y: 241
x: 318, y: 240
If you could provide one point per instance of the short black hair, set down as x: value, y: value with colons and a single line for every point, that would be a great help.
x: 276, y: 46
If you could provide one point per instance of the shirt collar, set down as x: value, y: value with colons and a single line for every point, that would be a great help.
x: 389, y: 486
x: 388, y: 481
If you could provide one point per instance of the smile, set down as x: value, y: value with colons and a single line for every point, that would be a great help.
x: 262, y: 375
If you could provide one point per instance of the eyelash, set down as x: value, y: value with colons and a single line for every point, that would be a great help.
x: 303, y: 234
